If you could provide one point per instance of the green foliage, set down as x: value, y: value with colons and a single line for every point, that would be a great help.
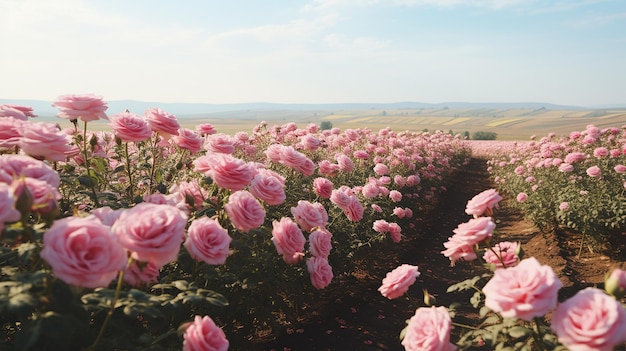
x: 326, y: 125
x: 481, y: 135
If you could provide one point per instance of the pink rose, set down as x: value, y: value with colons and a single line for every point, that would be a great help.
x: 244, y: 211
x: 398, y: 281
x: 320, y: 243
x: 268, y: 188
x: 525, y: 291
x: 310, y: 142
x: 163, y: 123
x: 220, y: 143
x: 192, y: 192
x: 10, y: 132
x: 323, y: 187
x: 8, y: 213
x: 139, y: 273
x: 207, y: 241
x: 354, y: 211
x: 620, y: 169
x: 381, y: 226
x: 564, y: 206
x: 151, y: 232
x: 320, y: 271
x: 288, y: 239
x: 370, y: 190
x: 466, y: 235
x: 502, y: 255
x: 203, y: 335
x: 574, y: 157
x: 399, y: 212
x: 345, y: 163
x: 381, y: 169
x: 483, y: 203
x: 310, y: 215
x: 273, y: 152
x: 45, y: 140
x: 521, y: 197
x: 130, y: 127
x: 17, y: 112
x: 292, y: 158
x: 227, y: 171
x: 16, y: 166
x: 395, y: 232
x: 341, y: 198
x: 86, y: 107
x: 107, y: 215
x: 566, y: 167
x: 327, y: 168
x: 590, y: 320
x: 188, y: 140
x: 429, y: 330
x: 594, y: 171
x: 395, y: 195
x: 82, y: 251
x: 205, y: 129
x: 44, y: 197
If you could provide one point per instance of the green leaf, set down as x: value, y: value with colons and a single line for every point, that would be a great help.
x: 519, y: 332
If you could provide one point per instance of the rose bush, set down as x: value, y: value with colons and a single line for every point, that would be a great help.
x: 154, y: 187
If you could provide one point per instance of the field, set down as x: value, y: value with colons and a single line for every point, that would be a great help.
x: 509, y: 124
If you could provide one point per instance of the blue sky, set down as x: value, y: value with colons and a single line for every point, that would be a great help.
x: 316, y: 51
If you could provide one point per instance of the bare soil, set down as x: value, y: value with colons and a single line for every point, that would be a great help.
x: 352, y: 315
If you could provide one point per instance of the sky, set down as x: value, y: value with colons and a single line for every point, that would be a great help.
x: 569, y: 52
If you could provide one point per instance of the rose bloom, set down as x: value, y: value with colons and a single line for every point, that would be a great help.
x: 429, y: 330
x: 395, y: 232
x: 86, y: 107
x: 566, y: 167
x: 590, y: 320
x: 483, y: 203
x: 139, y: 273
x: 292, y: 158
x: 341, y: 198
x: 398, y: 281
x: 244, y: 211
x: 203, y: 335
x: 320, y: 271
x: 205, y: 129
x: 16, y: 166
x: 320, y: 243
x: 192, y: 193
x: 44, y: 197
x: 564, y: 206
x: 82, y: 251
x: 620, y: 169
x: 381, y: 226
x: 461, y: 244
x: 370, y: 190
x: 225, y: 170
x: 594, y: 171
x: 10, y: 132
x: 525, y: 291
x: 345, y: 163
x: 220, y: 143
x: 163, y: 123
x: 151, y: 232
x: 521, y: 197
x: 395, y: 195
x: 268, y: 188
x: 44, y: 140
x: 288, y: 240
x: 502, y: 255
x: 354, y: 211
x: 323, y: 187
x: 207, y: 241
x: 19, y: 112
x: 188, y: 140
x: 130, y: 127
x: 381, y: 169
x: 399, y: 212
x: 8, y: 213
x: 310, y: 215
x: 574, y: 157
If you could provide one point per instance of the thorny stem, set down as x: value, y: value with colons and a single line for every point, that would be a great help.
x: 131, y: 189
x: 155, y: 155
x: 88, y: 165
x: 116, y: 296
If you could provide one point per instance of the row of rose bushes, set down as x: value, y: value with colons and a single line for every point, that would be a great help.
x: 112, y: 240
x: 516, y: 298
x: 576, y: 181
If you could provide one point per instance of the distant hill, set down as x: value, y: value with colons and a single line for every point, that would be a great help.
x: 45, y: 109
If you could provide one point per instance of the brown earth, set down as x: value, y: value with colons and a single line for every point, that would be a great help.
x: 352, y: 315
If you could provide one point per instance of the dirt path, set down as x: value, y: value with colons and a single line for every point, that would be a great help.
x: 353, y: 315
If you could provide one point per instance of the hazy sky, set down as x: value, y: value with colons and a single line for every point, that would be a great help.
x: 316, y: 51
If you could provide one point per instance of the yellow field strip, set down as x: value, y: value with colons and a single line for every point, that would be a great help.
x: 456, y: 121
x: 501, y: 122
